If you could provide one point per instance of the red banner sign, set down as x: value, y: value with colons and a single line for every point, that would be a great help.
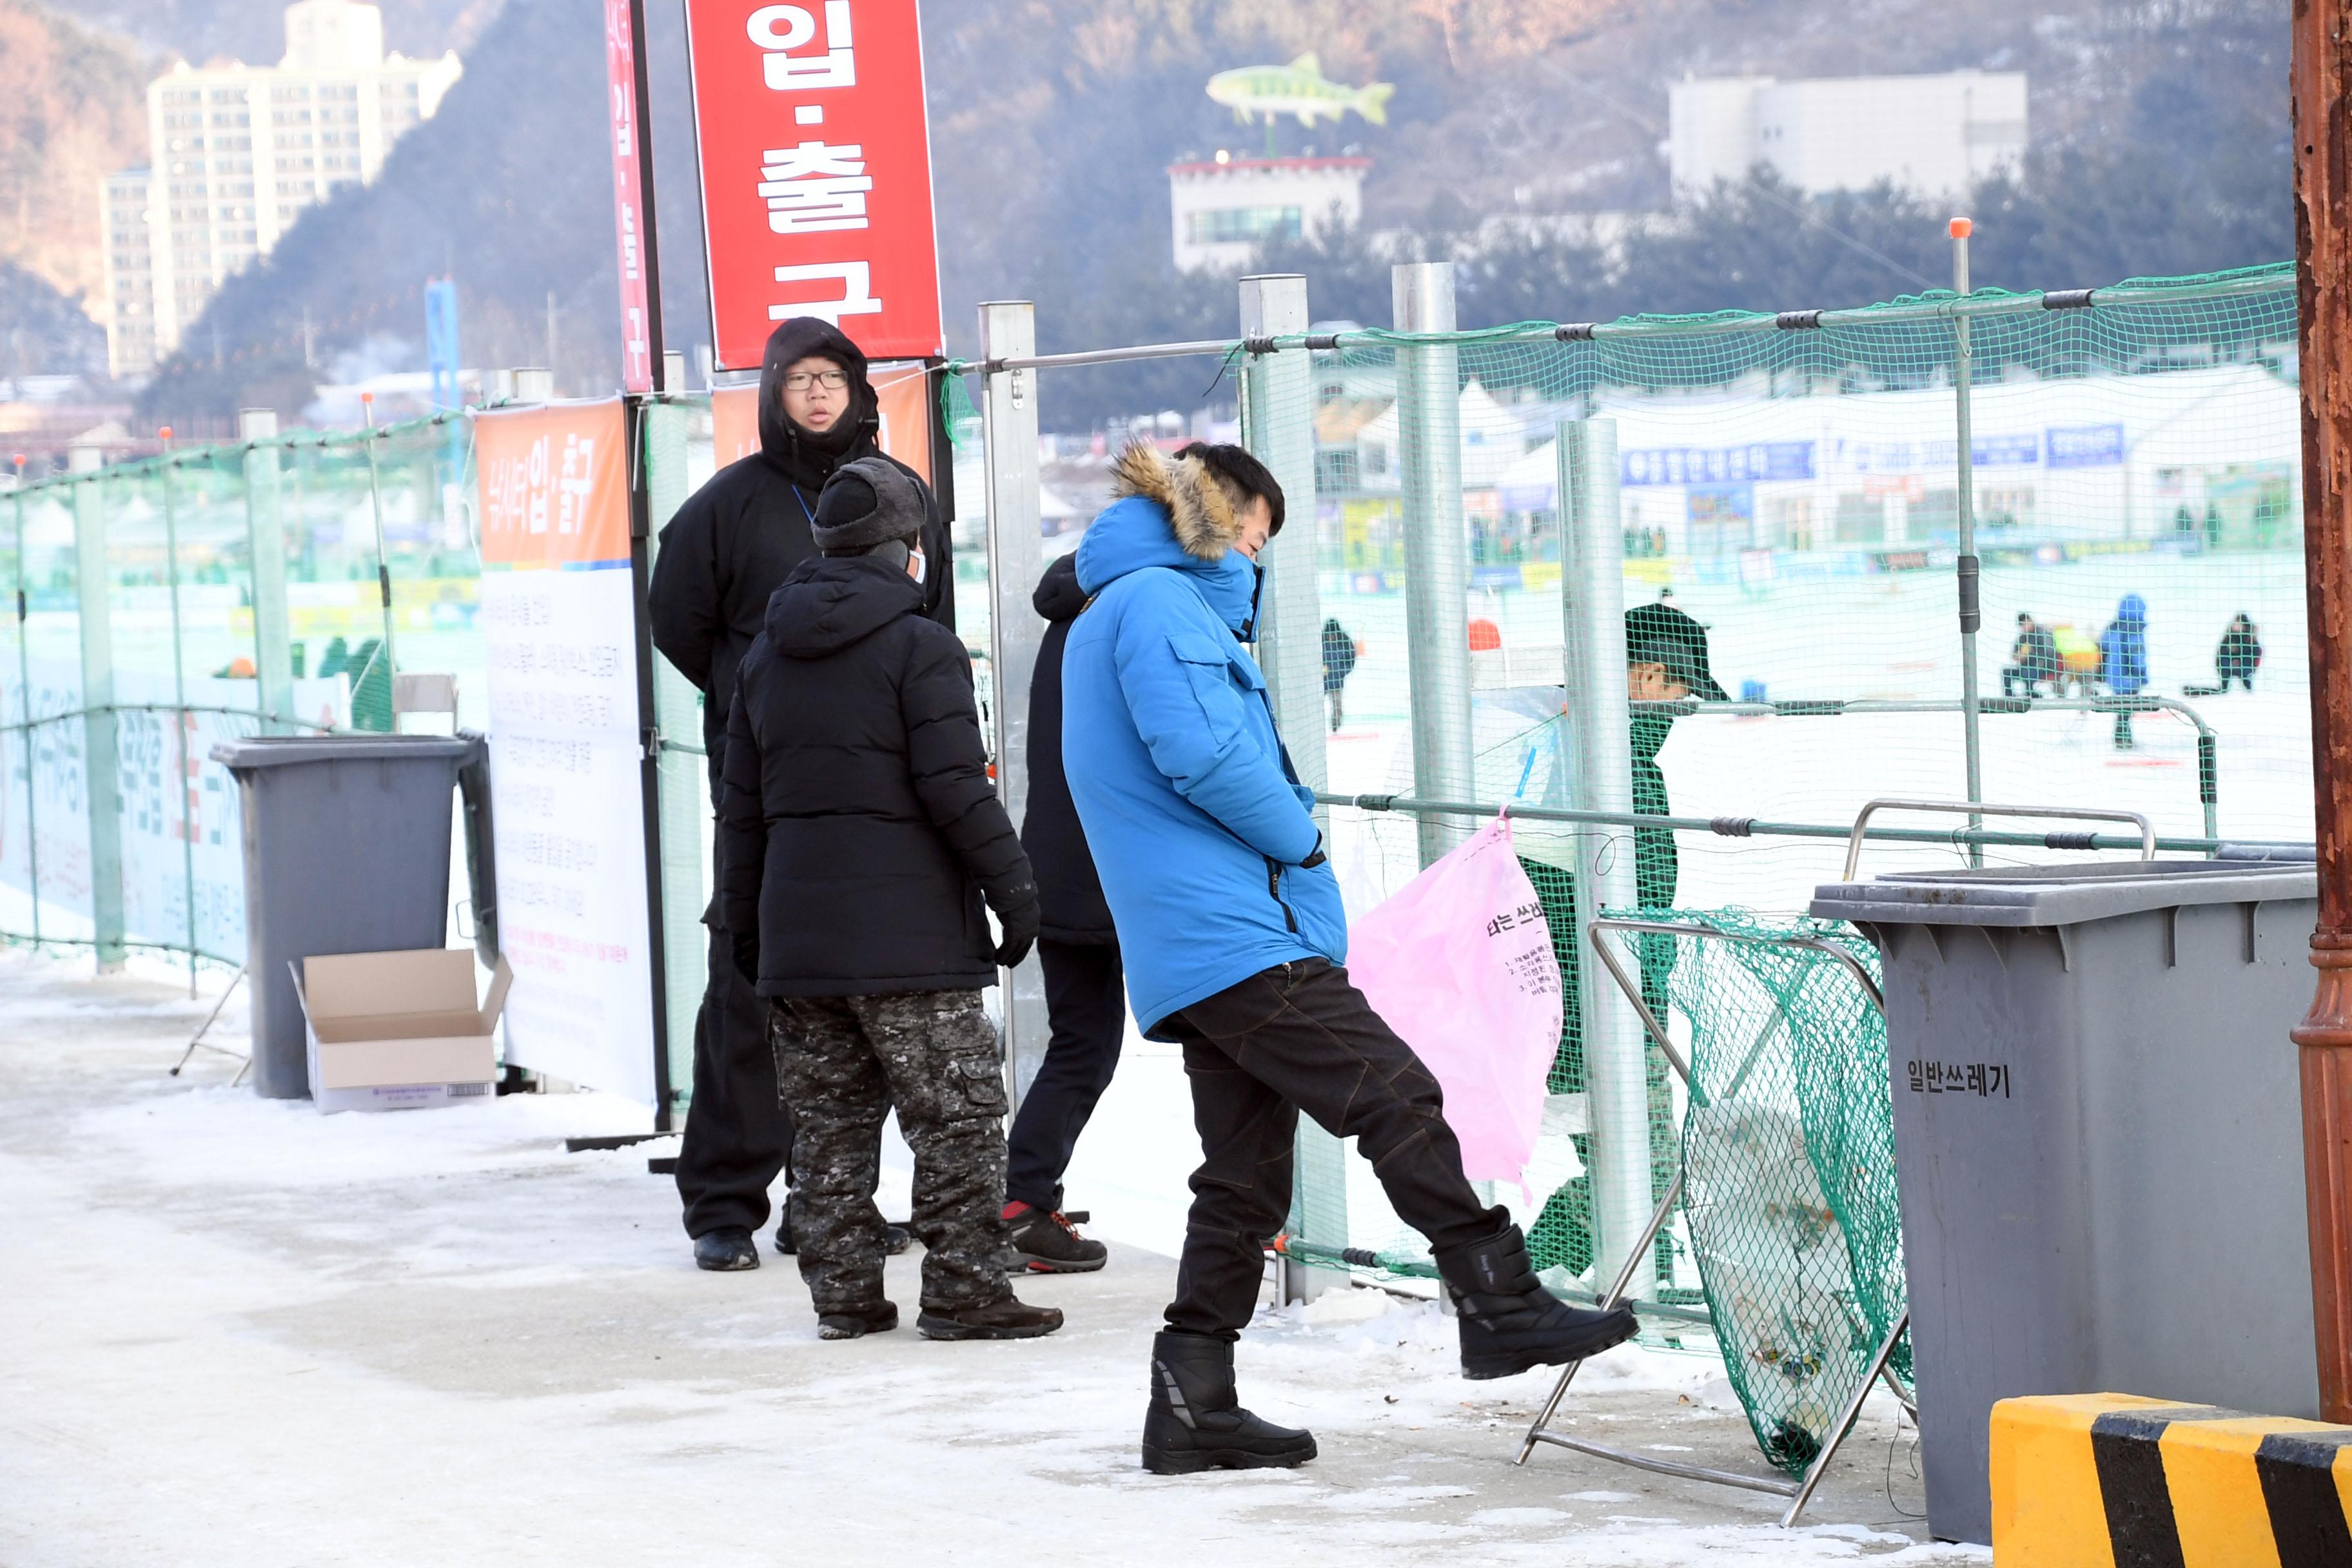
x: 816, y: 172
x: 628, y: 196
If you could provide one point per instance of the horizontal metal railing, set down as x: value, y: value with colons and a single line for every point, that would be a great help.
x: 1756, y: 828
x: 1933, y: 307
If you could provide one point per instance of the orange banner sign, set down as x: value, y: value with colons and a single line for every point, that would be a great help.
x: 555, y: 485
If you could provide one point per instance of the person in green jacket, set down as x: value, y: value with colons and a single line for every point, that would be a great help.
x: 1665, y: 661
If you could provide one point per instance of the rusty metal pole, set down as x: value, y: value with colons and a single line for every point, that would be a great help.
x: 2321, y: 78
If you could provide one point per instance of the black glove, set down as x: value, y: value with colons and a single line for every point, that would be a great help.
x: 1316, y: 857
x: 1020, y: 923
x: 747, y: 956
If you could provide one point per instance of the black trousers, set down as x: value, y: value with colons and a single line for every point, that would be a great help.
x: 1085, y: 1002
x: 739, y: 1135
x: 1300, y: 1038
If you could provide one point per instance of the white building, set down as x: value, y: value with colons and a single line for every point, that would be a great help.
x: 2213, y: 451
x: 1226, y: 208
x: 1937, y: 135
x: 237, y: 151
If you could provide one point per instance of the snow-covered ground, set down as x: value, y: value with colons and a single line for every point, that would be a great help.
x: 236, y: 1332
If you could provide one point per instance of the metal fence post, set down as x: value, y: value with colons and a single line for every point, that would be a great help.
x: 101, y: 754
x: 1592, y: 625
x: 183, y: 780
x: 1971, y: 614
x: 1279, y: 428
x: 265, y: 527
x: 31, y: 748
x: 1016, y: 559
x: 382, y: 559
x: 1436, y: 548
x: 683, y: 777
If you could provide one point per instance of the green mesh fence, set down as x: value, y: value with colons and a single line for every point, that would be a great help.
x: 1794, y: 490
x: 178, y: 581
x: 1792, y: 483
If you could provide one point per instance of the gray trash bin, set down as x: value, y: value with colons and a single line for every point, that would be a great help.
x: 2099, y: 1137
x: 346, y: 850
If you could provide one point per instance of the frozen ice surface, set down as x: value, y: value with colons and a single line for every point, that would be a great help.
x: 236, y: 1332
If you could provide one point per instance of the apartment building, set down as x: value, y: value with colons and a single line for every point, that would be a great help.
x: 237, y: 151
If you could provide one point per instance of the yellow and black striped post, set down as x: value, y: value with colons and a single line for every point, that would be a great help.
x: 2112, y: 1480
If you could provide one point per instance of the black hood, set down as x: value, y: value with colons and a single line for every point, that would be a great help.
x: 805, y: 456
x: 1058, y: 595
x: 831, y: 602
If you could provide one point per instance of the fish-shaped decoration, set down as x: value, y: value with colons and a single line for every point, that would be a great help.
x: 1299, y: 89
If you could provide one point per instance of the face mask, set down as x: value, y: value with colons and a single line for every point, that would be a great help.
x: 917, y: 567
x: 1248, y: 633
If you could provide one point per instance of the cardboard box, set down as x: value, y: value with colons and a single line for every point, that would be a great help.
x: 399, y: 1031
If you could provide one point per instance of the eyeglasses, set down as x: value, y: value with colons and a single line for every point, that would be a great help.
x: 831, y: 380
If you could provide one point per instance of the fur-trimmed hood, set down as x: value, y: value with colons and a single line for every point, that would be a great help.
x: 1173, y: 514
x: 1198, y: 509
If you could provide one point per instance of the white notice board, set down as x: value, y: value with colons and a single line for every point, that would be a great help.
x: 566, y: 750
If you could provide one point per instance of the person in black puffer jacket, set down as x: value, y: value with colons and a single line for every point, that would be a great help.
x: 858, y: 836
x: 1086, y: 997
x: 729, y: 547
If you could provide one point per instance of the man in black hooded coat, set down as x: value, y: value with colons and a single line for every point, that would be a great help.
x: 1086, y: 999
x: 724, y: 554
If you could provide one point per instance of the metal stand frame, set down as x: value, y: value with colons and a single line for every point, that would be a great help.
x: 1799, y: 1493
x: 196, y: 1041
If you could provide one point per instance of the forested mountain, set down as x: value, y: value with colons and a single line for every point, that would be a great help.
x: 2160, y: 134
x: 43, y: 331
x: 72, y: 110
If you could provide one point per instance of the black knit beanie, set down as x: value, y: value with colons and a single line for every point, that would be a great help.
x: 870, y: 501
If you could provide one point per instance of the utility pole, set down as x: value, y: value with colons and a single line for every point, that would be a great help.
x: 2320, y: 79
x: 309, y: 342
x: 551, y: 332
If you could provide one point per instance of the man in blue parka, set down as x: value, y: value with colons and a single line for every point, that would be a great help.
x: 1229, y: 922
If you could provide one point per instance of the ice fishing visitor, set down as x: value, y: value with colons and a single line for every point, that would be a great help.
x: 1078, y: 948
x: 727, y: 549
x: 2240, y: 653
x: 1665, y: 661
x: 2033, y: 660
x: 858, y: 834
x: 1339, y: 655
x: 1230, y: 921
x: 2123, y: 660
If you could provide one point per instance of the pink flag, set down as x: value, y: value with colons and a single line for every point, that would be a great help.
x: 1460, y: 963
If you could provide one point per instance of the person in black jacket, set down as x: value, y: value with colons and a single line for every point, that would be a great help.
x: 1338, y: 663
x: 2036, y: 656
x: 725, y: 551
x: 1086, y: 999
x: 2240, y: 653
x: 858, y: 832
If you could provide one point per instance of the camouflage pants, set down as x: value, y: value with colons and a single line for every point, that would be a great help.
x: 841, y: 1064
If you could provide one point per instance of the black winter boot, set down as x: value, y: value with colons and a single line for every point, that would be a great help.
x: 726, y: 1249
x: 1044, y: 1242
x: 1510, y: 1321
x: 1195, y: 1423
x: 856, y: 1322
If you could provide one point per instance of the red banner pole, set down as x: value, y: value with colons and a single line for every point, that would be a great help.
x: 633, y: 197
